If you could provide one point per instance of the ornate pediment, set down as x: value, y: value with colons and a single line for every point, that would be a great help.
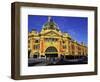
x: 52, y: 33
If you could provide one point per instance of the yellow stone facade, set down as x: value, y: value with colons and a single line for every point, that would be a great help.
x: 52, y: 41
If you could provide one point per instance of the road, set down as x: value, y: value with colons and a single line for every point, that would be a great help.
x: 45, y: 62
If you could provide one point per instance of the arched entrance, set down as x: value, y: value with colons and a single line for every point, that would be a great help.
x: 36, y: 55
x: 51, y: 52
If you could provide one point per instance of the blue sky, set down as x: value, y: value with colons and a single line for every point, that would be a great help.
x: 76, y: 27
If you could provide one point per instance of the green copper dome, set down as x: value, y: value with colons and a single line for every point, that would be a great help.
x: 50, y: 24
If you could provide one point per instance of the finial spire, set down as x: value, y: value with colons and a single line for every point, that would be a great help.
x: 49, y: 18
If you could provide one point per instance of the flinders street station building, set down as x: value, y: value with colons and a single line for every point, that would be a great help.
x: 52, y: 42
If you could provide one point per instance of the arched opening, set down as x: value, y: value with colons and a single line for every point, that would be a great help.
x: 51, y: 52
x: 36, y: 55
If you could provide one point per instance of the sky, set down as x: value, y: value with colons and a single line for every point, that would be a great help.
x: 76, y: 27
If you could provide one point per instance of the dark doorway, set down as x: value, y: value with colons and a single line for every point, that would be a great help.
x: 29, y: 51
x: 51, y: 52
x: 36, y: 55
x: 51, y: 55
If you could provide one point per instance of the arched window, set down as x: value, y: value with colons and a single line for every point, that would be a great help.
x: 51, y: 49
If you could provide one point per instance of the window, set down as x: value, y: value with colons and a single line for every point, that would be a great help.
x: 51, y: 39
x: 79, y: 48
x: 36, y: 47
x: 63, y: 42
x: 28, y: 41
x: 73, y: 47
x: 36, y: 41
x: 64, y: 46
